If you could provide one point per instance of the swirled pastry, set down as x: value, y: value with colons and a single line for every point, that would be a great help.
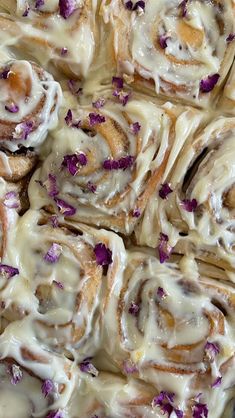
x: 168, y: 324
x: 60, y: 276
x: 54, y: 32
x: 183, y: 49
x: 107, y: 162
x: 194, y: 207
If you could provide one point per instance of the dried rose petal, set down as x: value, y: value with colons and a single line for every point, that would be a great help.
x: 7, y: 271
x: 200, y: 410
x: 73, y: 162
x: 12, y: 108
x: 117, y: 82
x: 121, y: 164
x: 65, y: 208
x: 55, y: 414
x: 183, y: 6
x: 136, y: 213
x: 69, y: 117
x: 11, y: 200
x: 163, y: 41
x: 53, y: 254
x: 26, y: 12
x: 16, y: 374
x: 230, y: 37
x: 121, y: 96
x: 211, y: 350
x: 96, y: 119
x: 135, y: 128
x: 139, y: 4
x: 67, y: 8
x: 87, y: 367
x: 51, y: 185
x: 129, y: 367
x: 58, y: 284
x: 161, y: 293
x: 22, y: 130
x: 4, y: 74
x: 164, y: 248
x: 39, y: 3
x: 98, y: 103
x: 207, y: 84
x: 134, y: 309
x: 217, y: 382
x: 189, y: 205
x: 54, y: 221
x: 129, y: 5
x: 103, y: 255
x: 91, y: 187
x: 47, y: 387
x: 165, y: 190
x: 165, y: 400
x: 63, y: 51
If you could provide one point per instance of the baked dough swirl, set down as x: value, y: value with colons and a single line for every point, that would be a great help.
x: 180, y: 48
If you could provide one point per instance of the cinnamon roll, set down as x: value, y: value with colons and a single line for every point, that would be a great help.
x: 173, y: 331
x: 63, y: 33
x: 107, y: 162
x: 60, y: 274
x: 34, y: 382
x: 194, y: 206
x: 182, y: 49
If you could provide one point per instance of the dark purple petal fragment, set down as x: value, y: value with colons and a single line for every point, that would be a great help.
x: 51, y: 185
x: 230, y: 37
x: 183, y: 7
x: 73, y: 162
x: 54, y: 221
x: 161, y: 293
x: 117, y: 81
x: 67, y: 8
x: 121, y: 96
x: 16, y: 374
x: 96, y: 119
x: 165, y: 401
x: 121, y: 164
x: 164, y: 249
x: 98, y: 103
x: 165, y: 190
x: 12, y: 108
x: 91, y: 187
x: 4, y: 74
x: 211, y: 350
x: 53, y: 254
x: 136, y: 213
x: 135, y: 128
x: 129, y: 367
x: 7, y: 271
x: 200, y: 410
x: 65, y: 208
x: 63, y: 51
x: 26, y: 12
x: 217, y: 382
x: 103, y: 255
x: 11, y: 200
x: 55, y: 414
x: 129, y: 5
x: 207, y: 84
x: 39, y: 3
x: 22, y: 130
x: 47, y: 387
x: 134, y: 309
x: 69, y: 117
x: 189, y: 205
x: 163, y: 41
x: 87, y: 367
x: 139, y: 5
x: 58, y: 284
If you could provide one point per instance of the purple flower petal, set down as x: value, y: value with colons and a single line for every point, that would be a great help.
x: 189, y: 205
x: 121, y: 164
x: 7, y: 271
x: 11, y: 200
x: 207, y: 84
x: 39, y: 3
x: 129, y: 5
x: 65, y: 208
x: 12, y: 108
x: 4, y: 74
x: 51, y: 185
x: 165, y: 190
x: 139, y: 4
x: 98, y: 103
x: 87, y: 367
x: 74, y: 87
x: 118, y: 81
x: 58, y: 284
x: 22, y: 130
x: 96, y: 119
x: 26, y: 12
x: 47, y: 387
x: 165, y: 400
x: 135, y: 128
x: 91, y: 187
x: 161, y: 293
x: 230, y: 37
x: 200, y: 410
x: 54, y: 221
x: 69, y: 117
x: 121, y: 96
x: 16, y: 374
x: 103, y: 255
x: 129, y: 367
x: 211, y: 350
x: 163, y: 41
x: 55, y: 414
x: 183, y: 6
x: 217, y: 382
x: 73, y: 162
x: 53, y: 254
x: 63, y: 51
x: 136, y: 213
x: 134, y: 309
x: 164, y: 249
x: 67, y: 8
